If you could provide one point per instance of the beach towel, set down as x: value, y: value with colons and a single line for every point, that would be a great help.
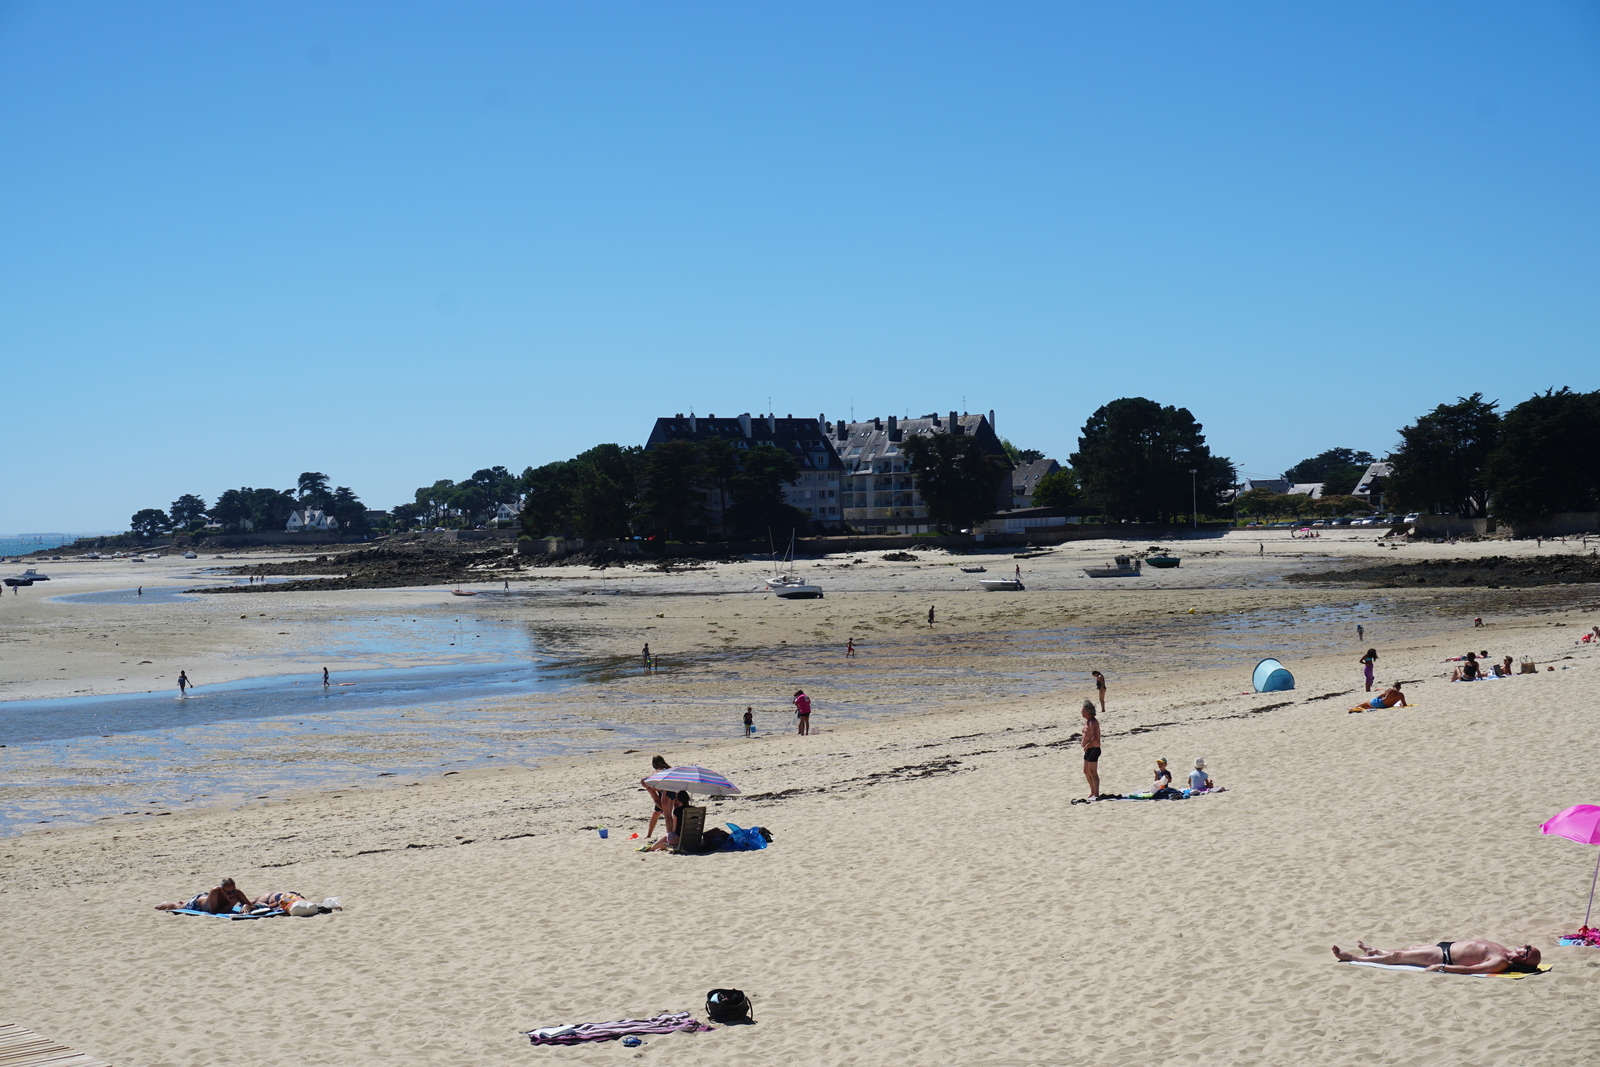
x: 665, y: 1023
x: 1543, y: 967
x: 226, y: 914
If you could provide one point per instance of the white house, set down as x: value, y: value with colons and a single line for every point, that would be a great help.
x: 311, y: 519
x: 506, y: 513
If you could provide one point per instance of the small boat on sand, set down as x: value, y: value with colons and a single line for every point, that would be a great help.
x: 464, y: 592
x: 1121, y: 567
x: 784, y: 585
x: 1001, y: 585
x: 973, y: 570
x: 1162, y: 562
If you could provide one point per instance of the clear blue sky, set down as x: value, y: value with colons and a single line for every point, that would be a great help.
x: 398, y: 242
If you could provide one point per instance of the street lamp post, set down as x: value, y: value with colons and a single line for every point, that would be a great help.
x: 1194, y: 499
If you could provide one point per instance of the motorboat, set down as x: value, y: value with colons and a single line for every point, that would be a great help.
x: 1163, y: 562
x: 973, y: 570
x: 1001, y: 585
x: 191, y: 555
x: 137, y: 559
x: 153, y: 555
x: 34, y: 576
x: 1121, y: 567
x: 15, y: 581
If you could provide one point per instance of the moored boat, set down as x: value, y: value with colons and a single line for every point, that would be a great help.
x: 1001, y: 585
x: 1122, y: 567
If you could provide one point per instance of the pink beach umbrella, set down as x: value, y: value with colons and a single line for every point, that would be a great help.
x: 1580, y: 823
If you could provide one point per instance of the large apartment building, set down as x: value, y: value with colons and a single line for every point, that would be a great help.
x: 816, y: 492
x: 879, y: 493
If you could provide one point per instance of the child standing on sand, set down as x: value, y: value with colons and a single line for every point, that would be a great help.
x: 1366, y: 666
x: 749, y: 722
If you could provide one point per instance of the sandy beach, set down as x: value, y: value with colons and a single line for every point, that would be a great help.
x: 931, y: 894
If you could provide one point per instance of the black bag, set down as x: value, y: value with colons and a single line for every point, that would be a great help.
x: 729, y: 1006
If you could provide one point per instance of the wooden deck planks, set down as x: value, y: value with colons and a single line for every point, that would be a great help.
x: 24, y: 1048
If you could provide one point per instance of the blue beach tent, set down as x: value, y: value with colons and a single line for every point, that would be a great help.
x: 1272, y: 677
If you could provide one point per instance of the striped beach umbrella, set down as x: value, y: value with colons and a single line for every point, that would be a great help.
x: 693, y: 779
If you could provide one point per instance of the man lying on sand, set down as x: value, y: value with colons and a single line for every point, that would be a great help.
x: 1387, y: 699
x: 217, y: 900
x: 1452, y: 957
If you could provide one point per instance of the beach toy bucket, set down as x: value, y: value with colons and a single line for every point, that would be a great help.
x: 1270, y: 676
x: 604, y: 833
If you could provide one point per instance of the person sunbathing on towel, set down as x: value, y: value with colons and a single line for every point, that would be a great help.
x: 1451, y: 957
x: 217, y: 900
x: 1387, y: 699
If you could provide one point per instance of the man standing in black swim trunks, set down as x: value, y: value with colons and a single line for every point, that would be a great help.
x: 1451, y: 957
x: 1091, y: 749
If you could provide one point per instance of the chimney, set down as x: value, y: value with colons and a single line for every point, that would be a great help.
x: 991, y: 420
x: 877, y: 423
x: 693, y: 426
x: 772, y: 423
x: 744, y: 423
x: 843, y: 430
x: 955, y: 423
x: 894, y: 428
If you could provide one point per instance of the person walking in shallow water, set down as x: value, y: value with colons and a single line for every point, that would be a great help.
x: 1361, y: 632
x: 324, y: 677
x: 802, y: 711
x: 849, y: 648
x: 183, y: 684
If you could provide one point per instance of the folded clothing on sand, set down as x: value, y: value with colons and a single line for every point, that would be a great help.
x: 1543, y: 967
x: 259, y: 914
x: 665, y: 1023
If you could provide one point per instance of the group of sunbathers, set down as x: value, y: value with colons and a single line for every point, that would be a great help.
x: 227, y: 898
x: 1475, y: 667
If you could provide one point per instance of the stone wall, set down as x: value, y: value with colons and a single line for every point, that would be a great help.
x: 1560, y: 524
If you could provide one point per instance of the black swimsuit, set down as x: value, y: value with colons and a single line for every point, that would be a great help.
x: 1444, y: 946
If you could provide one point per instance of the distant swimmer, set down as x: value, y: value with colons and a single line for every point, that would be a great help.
x: 183, y: 683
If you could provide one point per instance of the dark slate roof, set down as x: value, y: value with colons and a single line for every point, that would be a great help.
x: 860, y: 442
x: 1026, y: 475
x: 805, y: 439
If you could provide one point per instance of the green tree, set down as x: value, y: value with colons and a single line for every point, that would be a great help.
x: 1441, y: 465
x: 349, y: 510
x: 1020, y: 456
x: 188, y: 511
x: 436, y: 499
x: 957, y: 479
x: 1134, y: 457
x: 312, y: 490
x: 1058, y: 489
x: 757, y: 491
x: 1336, y: 463
x: 1258, y: 503
x: 548, y: 494
x: 405, y: 516
x: 149, y: 522
x: 1544, y: 459
x: 719, y: 462
x: 669, y: 496
x: 604, y: 491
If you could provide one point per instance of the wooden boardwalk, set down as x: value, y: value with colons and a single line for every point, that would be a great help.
x: 24, y: 1048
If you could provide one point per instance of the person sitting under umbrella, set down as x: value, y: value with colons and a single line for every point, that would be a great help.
x: 1451, y: 957
x: 674, y: 814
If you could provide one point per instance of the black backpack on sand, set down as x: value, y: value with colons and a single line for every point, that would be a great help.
x: 729, y: 1006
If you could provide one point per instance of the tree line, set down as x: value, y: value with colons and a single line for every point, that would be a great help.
x: 1468, y: 459
x: 681, y: 489
x: 248, y: 508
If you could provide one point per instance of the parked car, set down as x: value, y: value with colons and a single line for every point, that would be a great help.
x: 1411, y: 518
x: 1320, y: 522
x: 1342, y: 521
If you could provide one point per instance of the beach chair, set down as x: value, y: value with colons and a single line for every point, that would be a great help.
x: 691, y: 827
